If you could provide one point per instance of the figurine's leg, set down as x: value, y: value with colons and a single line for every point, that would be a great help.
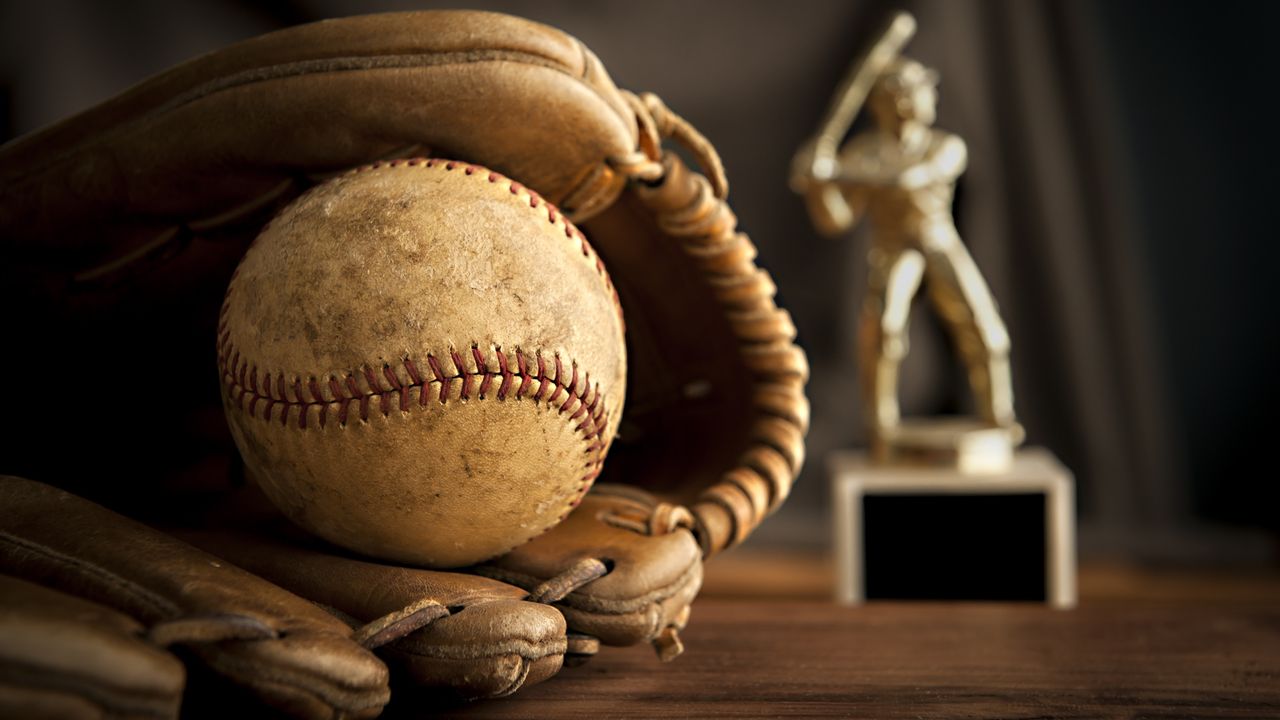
x: 882, y: 334
x: 969, y: 311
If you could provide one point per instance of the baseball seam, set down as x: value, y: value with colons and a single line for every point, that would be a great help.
x: 366, y: 384
x: 570, y: 392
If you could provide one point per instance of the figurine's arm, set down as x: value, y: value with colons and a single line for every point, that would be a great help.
x: 835, y: 208
x: 944, y: 165
x: 821, y: 154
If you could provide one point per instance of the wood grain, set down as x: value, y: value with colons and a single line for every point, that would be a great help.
x: 756, y: 659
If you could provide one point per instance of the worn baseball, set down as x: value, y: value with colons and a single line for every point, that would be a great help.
x: 422, y: 361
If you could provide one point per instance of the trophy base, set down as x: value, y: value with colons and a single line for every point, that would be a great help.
x: 919, y: 532
x: 965, y: 444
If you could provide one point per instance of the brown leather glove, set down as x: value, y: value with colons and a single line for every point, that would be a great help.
x: 285, y: 650
x: 479, y: 638
x: 64, y: 657
x: 120, y: 227
x: 444, y: 631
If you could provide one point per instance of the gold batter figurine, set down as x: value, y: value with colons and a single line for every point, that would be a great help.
x: 902, y: 176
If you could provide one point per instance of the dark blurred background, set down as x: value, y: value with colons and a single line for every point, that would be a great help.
x: 1119, y: 201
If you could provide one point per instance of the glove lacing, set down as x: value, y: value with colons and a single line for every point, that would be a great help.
x: 657, y: 122
x: 416, y: 616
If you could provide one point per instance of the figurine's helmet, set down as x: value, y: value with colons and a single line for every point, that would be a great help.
x: 905, y: 74
x: 905, y: 89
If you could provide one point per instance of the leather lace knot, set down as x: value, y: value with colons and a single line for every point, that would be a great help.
x: 658, y: 122
x: 660, y: 519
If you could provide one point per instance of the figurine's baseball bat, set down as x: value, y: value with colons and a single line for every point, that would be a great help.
x: 852, y: 92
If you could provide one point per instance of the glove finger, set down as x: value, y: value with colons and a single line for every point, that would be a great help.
x: 472, y: 635
x: 61, y: 656
x: 614, y: 570
x: 287, y: 651
x: 581, y: 648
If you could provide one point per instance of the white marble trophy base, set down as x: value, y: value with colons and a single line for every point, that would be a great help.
x: 1032, y: 471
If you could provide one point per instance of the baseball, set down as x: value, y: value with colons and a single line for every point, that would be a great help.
x: 422, y: 361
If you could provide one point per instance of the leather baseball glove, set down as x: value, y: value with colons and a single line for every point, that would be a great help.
x: 119, y: 230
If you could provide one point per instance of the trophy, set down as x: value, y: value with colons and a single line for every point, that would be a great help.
x: 900, y: 175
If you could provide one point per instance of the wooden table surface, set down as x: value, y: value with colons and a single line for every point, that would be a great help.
x: 1137, y: 647
x: 759, y: 659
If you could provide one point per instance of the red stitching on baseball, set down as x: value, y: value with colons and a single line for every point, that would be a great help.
x: 440, y: 376
x: 525, y: 379
x: 542, y: 378
x: 483, y: 366
x: 412, y: 369
x: 392, y: 381
x: 461, y: 369
x: 586, y: 401
x: 573, y: 385
x: 506, y: 374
